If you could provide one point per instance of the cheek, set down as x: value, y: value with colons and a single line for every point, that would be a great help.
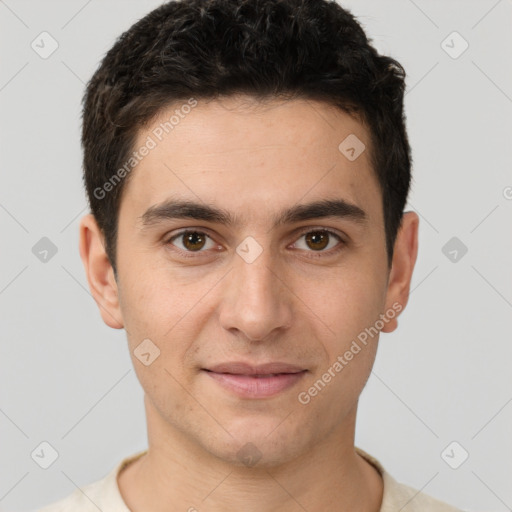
x: 161, y: 307
x: 347, y: 304
x: 160, y: 327
x: 153, y: 300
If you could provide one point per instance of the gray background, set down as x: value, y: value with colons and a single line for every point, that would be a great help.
x: 444, y: 376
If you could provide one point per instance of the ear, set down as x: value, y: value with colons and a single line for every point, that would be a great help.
x: 100, y: 273
x: 404, y: 259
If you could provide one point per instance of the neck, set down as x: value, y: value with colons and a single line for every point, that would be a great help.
x: 176, y: 472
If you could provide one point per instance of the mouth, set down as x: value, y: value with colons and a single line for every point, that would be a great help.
x: 255, y: 381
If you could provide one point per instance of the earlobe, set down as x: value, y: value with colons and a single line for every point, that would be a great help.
x: 404, y: 259
x: 99, y: 271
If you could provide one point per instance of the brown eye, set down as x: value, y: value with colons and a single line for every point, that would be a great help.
x: 320, y: 240
x: 317, y: 240
x: 191, y: 241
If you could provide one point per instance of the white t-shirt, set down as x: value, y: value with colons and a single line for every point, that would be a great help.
x: 104, y: 494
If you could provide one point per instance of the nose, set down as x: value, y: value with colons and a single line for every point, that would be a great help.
x: 256, y: 301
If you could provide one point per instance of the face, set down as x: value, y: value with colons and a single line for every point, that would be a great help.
x: 281, y: 262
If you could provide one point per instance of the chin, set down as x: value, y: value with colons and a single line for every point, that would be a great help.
x: 258, y: 443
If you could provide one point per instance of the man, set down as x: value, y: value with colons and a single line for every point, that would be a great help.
x: 247, y: 167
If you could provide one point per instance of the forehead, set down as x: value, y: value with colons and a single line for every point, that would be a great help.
x: 250, y: 155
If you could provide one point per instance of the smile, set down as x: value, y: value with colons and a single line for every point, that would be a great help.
x: 256, y: 385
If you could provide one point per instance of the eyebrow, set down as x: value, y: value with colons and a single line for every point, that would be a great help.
x: 185, y: 209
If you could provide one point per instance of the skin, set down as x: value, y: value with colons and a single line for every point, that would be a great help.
x: 292, y: 304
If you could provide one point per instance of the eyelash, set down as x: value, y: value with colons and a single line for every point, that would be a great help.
x: 315, y: 254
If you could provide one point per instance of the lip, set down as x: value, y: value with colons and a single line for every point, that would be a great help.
x: 255, y: 381
x: 241, y: 368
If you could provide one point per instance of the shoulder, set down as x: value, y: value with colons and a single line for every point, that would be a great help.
x: 413, y: 500
x: 399, y: 496
x: 101, y: 495
x: 81, y: 500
